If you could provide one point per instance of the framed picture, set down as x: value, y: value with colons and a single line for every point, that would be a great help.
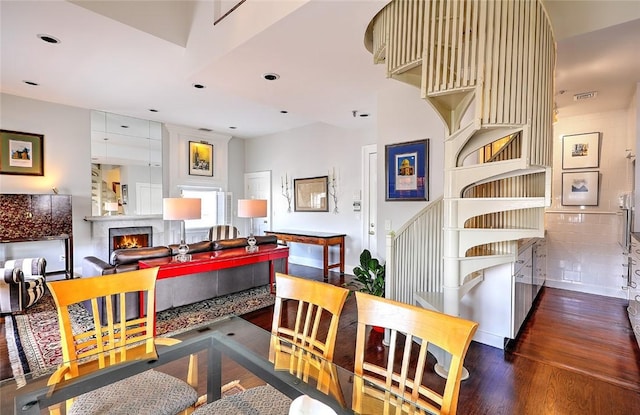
x: 580, y: 188
x: 117, y: 189
x: 407, y: 171
x: 200, y: 158
x: 310, y: 195
x: 21, y: 153
x: 125, y: 194
x: 581, y: 151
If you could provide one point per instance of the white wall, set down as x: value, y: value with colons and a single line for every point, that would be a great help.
x: 313, y: 151
x: 403, y: 116
x: 67, y: 165
x: 583, y: 253
x: 175, y: 161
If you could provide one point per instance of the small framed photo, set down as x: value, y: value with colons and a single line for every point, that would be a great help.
x: 21, y: 153
x: 200, y: 158
x: 580, y: 188
x: 310, y: 195
x: 581, y: 151
x: 125, y: 194
x: 407, y: 171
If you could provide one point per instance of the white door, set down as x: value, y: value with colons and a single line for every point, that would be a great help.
x: 370, y: 199
x: 258, y: 186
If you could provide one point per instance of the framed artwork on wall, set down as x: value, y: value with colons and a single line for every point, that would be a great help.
x: 407, y: 171
x: 200, y: 158
x: 310, y: 195
x: 21, y: 153
x: 580, y: 188
x: 581, y: 151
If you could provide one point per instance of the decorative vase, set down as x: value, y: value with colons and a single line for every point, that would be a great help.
x: 377, y: 329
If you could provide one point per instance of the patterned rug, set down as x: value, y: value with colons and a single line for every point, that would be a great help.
x: 33, y: 338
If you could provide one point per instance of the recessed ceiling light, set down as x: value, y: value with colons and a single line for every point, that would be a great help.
x: 232, y: 128
x: 124, y: 126
x: 284, y: 112
x: 271, y: 76
x: 153, y: 110
x: 31, y: 83
x: 199, y: 86
x: 48, y: 38
x: 207, y: 130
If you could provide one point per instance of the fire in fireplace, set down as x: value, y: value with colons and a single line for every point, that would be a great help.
x: 130, y: 237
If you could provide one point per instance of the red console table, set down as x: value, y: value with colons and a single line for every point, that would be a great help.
x: 325, y: 239
x: 217, y: 260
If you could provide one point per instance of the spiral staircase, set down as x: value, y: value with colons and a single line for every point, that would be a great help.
x: 487, y: 68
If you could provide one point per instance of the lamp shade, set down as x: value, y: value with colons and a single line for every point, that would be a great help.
x: 252, y: 208
x: 181, y: 208
x: 111, y: 206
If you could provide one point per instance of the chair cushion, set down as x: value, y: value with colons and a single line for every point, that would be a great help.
x: 194, y: 247
x: 150, y: 392
x: 264, y: 400
x: 29, y: 266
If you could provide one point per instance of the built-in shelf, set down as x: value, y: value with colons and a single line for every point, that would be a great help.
x: 120, y: 217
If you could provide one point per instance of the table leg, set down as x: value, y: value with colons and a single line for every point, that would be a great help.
x: 326, y: 260
x: 272, y: 277
x: 342, y: 257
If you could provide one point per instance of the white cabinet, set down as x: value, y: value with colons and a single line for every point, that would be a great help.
x: 522, y: 286
x: 539, y: 266
x: 634, y: 287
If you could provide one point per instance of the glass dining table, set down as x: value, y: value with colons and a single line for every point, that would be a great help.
x: 228, y: 339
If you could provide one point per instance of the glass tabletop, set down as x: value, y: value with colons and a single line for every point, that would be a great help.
x: 238, y: 340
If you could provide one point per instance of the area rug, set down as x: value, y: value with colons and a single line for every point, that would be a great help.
x: 33, y: 338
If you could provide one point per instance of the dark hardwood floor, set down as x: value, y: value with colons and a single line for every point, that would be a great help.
x: 575, y: 355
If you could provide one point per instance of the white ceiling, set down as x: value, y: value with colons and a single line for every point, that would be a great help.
x: 127, y: 57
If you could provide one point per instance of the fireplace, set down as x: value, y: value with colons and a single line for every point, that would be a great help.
x: 130, y: 237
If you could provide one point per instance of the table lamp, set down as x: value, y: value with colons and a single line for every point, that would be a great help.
x: 181, y: 208
x: 252, y: 208
x: 111, y: 207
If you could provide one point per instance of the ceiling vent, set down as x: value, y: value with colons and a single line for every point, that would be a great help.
x: 585, y: 95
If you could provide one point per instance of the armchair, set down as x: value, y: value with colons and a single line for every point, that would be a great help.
x: 22, y: 283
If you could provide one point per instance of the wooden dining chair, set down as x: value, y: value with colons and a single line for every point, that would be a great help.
x: 88, y: 346
x: 304, y: 330
x: 398, y: 386
x: 303, y: 336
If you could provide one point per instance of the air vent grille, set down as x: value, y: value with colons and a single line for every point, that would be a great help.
x: 585, y: 95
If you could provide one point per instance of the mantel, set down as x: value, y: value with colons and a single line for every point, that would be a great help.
x: 120, y: 218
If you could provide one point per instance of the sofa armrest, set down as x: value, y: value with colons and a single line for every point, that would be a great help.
x: 92, y: 267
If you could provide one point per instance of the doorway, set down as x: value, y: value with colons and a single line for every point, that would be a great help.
x: 257, y: 185
x: 370, y: 199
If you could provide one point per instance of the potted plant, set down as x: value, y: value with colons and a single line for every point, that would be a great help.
x: 369, y: 277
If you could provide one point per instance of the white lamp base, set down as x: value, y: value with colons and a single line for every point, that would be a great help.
x: 252, y: 244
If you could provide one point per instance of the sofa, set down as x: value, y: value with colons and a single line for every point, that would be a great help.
x: 22, y: 283
x: 175, y: 292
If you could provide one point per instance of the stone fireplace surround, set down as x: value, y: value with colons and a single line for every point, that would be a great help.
x: 100, y: 230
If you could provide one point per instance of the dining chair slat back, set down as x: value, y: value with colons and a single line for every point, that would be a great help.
x: 88, y: 344
x: 405, y: 388
x: 304, y: 329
